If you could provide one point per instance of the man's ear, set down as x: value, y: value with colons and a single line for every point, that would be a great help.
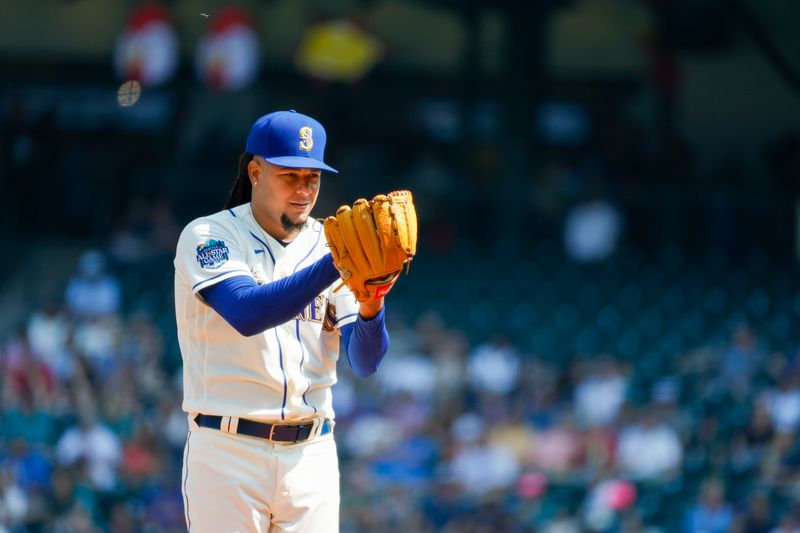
x: 254, y: 171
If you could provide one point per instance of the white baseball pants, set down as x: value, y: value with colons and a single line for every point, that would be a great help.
x: 239, y: 484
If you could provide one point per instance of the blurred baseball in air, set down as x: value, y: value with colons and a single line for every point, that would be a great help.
x: 128, y: 93
x: 147, y: 48
x: 227, y: 55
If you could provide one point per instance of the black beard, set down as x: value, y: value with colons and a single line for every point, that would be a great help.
x: 290, y: 226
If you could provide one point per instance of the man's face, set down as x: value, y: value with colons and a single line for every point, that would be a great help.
x: 283, y: 195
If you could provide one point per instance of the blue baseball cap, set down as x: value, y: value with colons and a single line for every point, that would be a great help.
x: 289, y: 139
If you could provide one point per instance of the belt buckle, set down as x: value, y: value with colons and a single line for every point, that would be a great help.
x: 271, y: 432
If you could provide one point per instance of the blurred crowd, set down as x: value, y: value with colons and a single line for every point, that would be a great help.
x: 486, y: 438
x: 452, y: 434
x: 529, y: 386
x: 92, y: 434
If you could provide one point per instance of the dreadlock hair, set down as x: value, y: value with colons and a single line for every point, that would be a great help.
x: 242, y: 191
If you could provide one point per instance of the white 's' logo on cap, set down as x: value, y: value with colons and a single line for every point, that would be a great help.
x: 306, y: 141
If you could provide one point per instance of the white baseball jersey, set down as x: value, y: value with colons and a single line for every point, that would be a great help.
x: 283, y: 373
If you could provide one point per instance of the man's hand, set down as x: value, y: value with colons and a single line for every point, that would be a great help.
x: 372, y: 242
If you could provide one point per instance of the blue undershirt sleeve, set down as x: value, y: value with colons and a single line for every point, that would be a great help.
x: 366, y: 343
x: 252, y: 308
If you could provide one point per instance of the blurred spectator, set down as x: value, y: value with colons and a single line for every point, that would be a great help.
x: 758, y: 514
x: 591, y: 230
x: 783, y: 404
x: 711, y: 514
x: 139, y: 462
x: 92, y: 292
x: 540, y: 381
x: 410, y: 413
x: 97, y: 339
x: 599, y: 445
x: 49, y: 331
x: 759, y: 431
x: 493, y: 367
x: 370, y: 434
x: 409, y: 462
x: 740, y: 361
x: 24, y: 374
x: 92, y: 445
x: 516, y: 435
x: 164, y: 504
x: 476, y: 465
x: 444, y: 501
x: 600, y: 393
x: 605, y: 502
x: 557, y: 449
x: 31, y: 465
x: 412, y: 373
x: 742, y: 459
x: 13, y: 501
x: 531, y: 485
x: 649, y: 449
x: 67, y: 493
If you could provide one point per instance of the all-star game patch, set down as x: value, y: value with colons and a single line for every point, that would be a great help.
x: 212, y: 253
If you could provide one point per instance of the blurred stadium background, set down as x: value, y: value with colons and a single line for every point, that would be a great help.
x: 599, y: 332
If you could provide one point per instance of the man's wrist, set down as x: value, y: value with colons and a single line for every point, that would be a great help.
x: 371, y: 309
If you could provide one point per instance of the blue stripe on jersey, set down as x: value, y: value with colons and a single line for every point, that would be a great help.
x: 185, y: 478
x: 218, y: 275
x: 345, y: 316
x: 319, y: 234
x: 266, y: 247
x: 280, y: 358
x: 302, y: 360
x: 258, y: 251
x: 232, y: 213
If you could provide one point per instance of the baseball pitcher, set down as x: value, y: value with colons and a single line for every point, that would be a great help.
x: 264, y: 295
